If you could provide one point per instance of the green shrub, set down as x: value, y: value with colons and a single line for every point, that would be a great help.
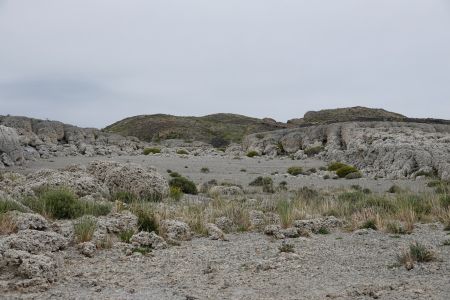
x: 259, y: 136
x: 174, y: 174
x: 312, y: 151
x: 175, y: 193
x: 184, y: 184
x: 148, y: 151
x: 126, y: 235
x: 344, y: 171
x: 265, y: 182
x: 60, y: 203
x: 84, y: 229
x: 252, y: 154
x: 204, y: 170
x: 243, y: 170
x: 182, y: 152
x: 280, y: 149
x: 336, y: 166
x: 294, y: 171
x: 323, y: 230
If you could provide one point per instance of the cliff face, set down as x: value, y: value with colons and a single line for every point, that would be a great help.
x: 387, y: 149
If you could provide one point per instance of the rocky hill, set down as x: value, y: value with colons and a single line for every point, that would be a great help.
x: 23, y: 138
x: 357, y: 113
x: 380, y: 148
x: 217, y: 129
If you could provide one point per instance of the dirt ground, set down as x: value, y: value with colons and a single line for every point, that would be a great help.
x: 231, y: 170
x: 340, y: 265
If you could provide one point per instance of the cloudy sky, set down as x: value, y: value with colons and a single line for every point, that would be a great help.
x: 94, y: 62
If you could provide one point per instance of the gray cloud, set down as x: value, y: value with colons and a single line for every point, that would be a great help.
x: 260, y: 58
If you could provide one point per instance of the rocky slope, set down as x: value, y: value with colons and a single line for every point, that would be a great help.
x: 218, y: 129
x: 23, y: 138
x: 357, y: 113
x: 387, y: 149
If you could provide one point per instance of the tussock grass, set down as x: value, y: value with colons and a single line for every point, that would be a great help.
x: 84, y: 229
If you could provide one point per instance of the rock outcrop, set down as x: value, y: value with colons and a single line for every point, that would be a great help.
x: 23, y: 138
x: 384, y: 149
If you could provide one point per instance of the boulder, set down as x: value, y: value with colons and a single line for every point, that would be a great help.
x: 36, y: 242
x: 215, y: 233
x: 314, y: 225
x: 148, y: 239
x: 11, y: 151
x: 88, y: 249
x: 118, y: 177
x: 31, y: 266
x: 25, y: 221
x: 226, y: 190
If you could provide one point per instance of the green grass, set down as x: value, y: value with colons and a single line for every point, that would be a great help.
x: 146, y: 218
x: 8, y: 205
x: 175, y: 193
x: 84, y: 229
x: 62, y: 203
x: 125, y: 236
x: 370, y: 224
x: 335, y: 166
x: 346, y: 170
x: 312, y: 151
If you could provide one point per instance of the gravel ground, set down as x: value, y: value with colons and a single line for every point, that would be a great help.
x: 229, y: 170
x: 340, y: 265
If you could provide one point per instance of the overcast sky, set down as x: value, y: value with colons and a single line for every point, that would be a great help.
x: 94, y: 62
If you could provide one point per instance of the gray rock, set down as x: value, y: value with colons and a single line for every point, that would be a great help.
x: 36, y: 242
x: 88, y: 249
x: 148, y: 239
x: 25, y: 221
x: 11, y: 151
x: 226, y: 190
x: 315, y: 225
x: 31, y: 266
x: 215, y: 233
x: 225, y: 224
x: 118, y: 177
x: 176, y: 230
x: 274, y: 230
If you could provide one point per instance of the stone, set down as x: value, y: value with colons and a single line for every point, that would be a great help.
x: 11, y: 151
x: 315, y: 225
x: 226, y: 190
x: 88, y: 249
x: 225, y: 224
x: 148, y: 239
x: 215, y: 233
x: 31, y: 266
x: 176, y: 230
x: 274, y: 230
x: 25, y: 221
x: 36, y: 242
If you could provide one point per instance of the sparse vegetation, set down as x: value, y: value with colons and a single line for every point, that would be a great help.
x: 265, y: 182
x: 7, y: 224
x: 344, y: 171
x: 175, y: 193
x: 416, y: 253
x: 148, y: 151
x: 312, y: 151
x: 204, y: 170
x: 294, y: 171
x: 287, y: 247
x: 8, y: 205
x: 394, y: 189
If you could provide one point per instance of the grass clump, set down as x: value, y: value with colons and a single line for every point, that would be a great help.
x: 416, y: 253
x: 252, y: 154
x: 184, y: 184
x: 335, y: 166
x: 323, y: 230
x: 175, y: 174
x: 7, y: 224
x: 9, y: 205
x: 84, y: 229
x: 294, y: 171
x: 125, y: 197
x: 175, y: 193
x: 146, y: 219
x: 395, y: 189
x: 287, y: 247
x: 265, y: 182
x: 148, y: 151
x: 370, y: 224
x: 125, y: 236
x: 204, y: 170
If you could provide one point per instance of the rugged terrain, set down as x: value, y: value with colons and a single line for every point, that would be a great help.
x: 326, y: 209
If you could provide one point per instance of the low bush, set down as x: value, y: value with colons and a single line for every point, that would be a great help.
x: 346, y: 170
x: 294, y: 171
x: 146, y: 219
x: 354, y: 175
x: 394, y: 189
x: 370, y: 224
x: 204, y: 170
x: 62, y: 203
x: 174, y: 174
x: 184, y: 184
x: 252, y: 154
x: 335, y: 166
x: 265, y: 182
x: 148, y: 151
